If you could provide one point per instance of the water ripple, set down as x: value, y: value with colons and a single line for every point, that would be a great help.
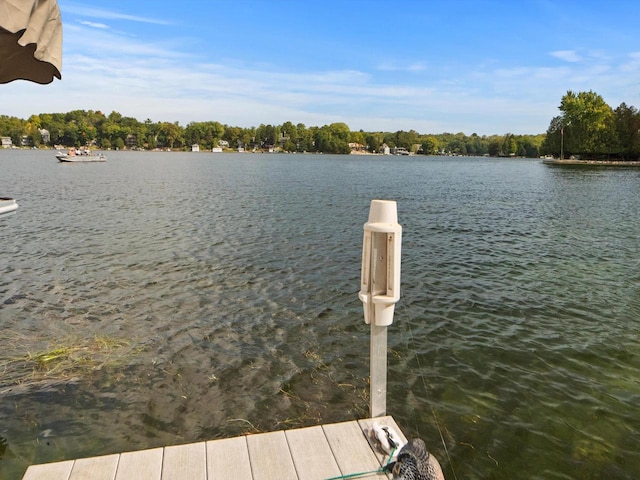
x: 233, y: 282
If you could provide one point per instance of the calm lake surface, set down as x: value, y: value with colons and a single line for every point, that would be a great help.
x: 165, y: 298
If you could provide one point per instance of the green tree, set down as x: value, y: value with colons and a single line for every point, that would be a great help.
x: 305, y: 139
x: 333, y: 138
x: 170, y: 134
x: 509, y: 145
x: 71, y: 136
x: 289, y: 137
x: 266, y: 136
x: 12, y: 127
x: 357, y: 137
x: 31, y: 129
x: 108, y: 130
x: 430, y: 145
x: 495, y: 145
x: 627, y: 126
x: 233, y: 135
x: 553, y: 138
x: 249, y: 138
x: 588, y: 123
x: 406, y: 139
x: 374, y: 141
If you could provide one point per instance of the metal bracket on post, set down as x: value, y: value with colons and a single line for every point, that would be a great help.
x: 380, y: 290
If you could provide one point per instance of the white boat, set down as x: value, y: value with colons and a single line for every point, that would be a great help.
x: 74, y: 155
x: 7, y: 205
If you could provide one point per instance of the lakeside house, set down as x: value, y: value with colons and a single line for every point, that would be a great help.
x: 46, y: 136
x: 399, y: 151
x: 357, y: 147
x: 131, y: 141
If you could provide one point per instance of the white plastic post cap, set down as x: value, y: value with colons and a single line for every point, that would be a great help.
x: 383, y: 211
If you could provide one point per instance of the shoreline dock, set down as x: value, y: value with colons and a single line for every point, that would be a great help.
x: 322, y: 452
x: 615, y: 163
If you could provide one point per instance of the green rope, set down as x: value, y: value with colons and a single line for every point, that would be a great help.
x: 354, y: 475
x: 362, y: 474
x: 391, y: 455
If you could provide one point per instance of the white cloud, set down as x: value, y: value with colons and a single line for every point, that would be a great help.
x: 632, y: 63
x: 566, y: 55
x: 93, y: 24
x: 94, y: 12
x: 403, y: 67
x: 417, y: 67
x: 105, y: 44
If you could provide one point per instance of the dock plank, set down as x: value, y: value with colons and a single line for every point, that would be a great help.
x: 350, y: 448
x: 312, y: 454
x: 141, y: 465
x: 228, y: 458
x: 49, y: 471
x: 185, y: 461
x: 95, y: 468
x: 270, y: 457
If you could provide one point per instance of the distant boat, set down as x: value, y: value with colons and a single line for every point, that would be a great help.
x: 74, y: 155
x: 7, y: 205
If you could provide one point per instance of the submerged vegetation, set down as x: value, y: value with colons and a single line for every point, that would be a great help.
x: 62, y: 360
x: 587, y: 127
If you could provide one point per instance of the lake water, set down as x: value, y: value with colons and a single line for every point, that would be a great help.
x: 165, y: 298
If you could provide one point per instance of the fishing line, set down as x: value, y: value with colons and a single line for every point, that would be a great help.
x: 433, y: 412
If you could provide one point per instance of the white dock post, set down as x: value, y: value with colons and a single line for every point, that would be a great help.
x: 380, y: 290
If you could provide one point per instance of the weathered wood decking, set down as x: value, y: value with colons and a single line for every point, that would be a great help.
x: 312, y: 453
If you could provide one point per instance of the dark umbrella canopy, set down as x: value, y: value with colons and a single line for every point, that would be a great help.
x: 30, y: 40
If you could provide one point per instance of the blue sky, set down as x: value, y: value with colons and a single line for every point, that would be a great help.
x: 485, y: 67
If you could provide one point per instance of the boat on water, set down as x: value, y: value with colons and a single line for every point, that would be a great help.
x: 7, y: 205
x: 75, y: 155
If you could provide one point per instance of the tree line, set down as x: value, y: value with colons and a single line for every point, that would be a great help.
x: 589, y: 128
x: 586, y: 127
x: 79, y: 128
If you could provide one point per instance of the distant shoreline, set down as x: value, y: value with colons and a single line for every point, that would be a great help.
x: 617, y: 163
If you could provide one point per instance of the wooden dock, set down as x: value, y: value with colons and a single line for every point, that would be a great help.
x: 313, y: 453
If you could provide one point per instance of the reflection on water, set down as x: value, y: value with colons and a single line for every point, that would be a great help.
x: 166, y: 298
